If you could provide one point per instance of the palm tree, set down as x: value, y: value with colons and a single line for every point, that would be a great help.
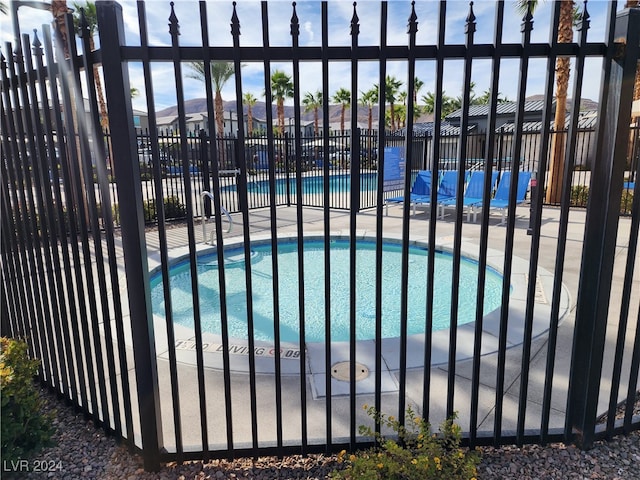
x: 417, y: 85
x: 392, y: 85
x: 342, y: 97
x: 134, y: 92
x: 220, y: 73
x: 448, y: 104
x: 281, y: 88
x: 565, y: 35
x: 402, y: 115
x: 369, y: 99
x: 313, y: 102
x: 91, y: 17
x: 59, y: 9
x: 249, y: 100
x: 486, y: 97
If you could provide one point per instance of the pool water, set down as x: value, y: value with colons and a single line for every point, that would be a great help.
x: 314, y: 291
x: 312, y: 184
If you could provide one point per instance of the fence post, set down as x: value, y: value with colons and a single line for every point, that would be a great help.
x: 601, y: 227
x: 127, y: 170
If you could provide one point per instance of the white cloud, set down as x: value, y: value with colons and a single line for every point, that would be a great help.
x: 308, y: 28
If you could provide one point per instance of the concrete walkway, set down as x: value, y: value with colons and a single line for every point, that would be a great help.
x: 316, y: 401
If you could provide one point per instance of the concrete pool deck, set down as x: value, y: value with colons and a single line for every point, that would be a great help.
x: 314, y: 384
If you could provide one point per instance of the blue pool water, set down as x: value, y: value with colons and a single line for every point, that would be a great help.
x: 313, y: 184
x: 314, y: 291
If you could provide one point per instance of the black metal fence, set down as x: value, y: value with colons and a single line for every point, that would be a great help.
x: 532, y: 370
x: 339, y: 157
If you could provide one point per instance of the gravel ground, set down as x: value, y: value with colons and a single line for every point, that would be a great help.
x: 83, y: 452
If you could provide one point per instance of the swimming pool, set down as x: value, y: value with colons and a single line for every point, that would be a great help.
x: 311, y: 184
x: 314, y: 292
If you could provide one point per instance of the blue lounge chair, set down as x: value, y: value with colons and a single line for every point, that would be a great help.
x: 420, y: 190
x: 501, y: 199
x: 473, y: 193
x: 446, y: 190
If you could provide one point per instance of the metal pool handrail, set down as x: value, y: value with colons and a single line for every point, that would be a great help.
x: 224, y: 212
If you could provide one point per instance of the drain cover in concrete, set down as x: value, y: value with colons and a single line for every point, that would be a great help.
x: 340, y: 371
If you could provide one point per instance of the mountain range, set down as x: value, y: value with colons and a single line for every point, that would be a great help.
x: 259, y: 111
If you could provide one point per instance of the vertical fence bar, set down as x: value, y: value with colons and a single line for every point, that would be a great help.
x: 244, y: 208
x: 382, y: 67
x: 484, y: 224
x: 162, y: 233
x: 354, y: 201
x: 527, y: 27
x: 111, y: 28
x: 470, y: 28
x: 273, y: 195
x: 295, y: 37
x: 600, y: 232
x: 327, y: 221
x: 433, y: 212
x: 537, y: 197
x: 174, y: 31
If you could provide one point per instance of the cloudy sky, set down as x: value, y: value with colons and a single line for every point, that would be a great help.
x: 340, y: 13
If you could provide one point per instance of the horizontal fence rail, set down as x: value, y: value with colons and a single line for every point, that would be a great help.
x: 254, y: 301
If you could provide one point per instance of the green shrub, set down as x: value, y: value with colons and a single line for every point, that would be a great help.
x: 173, y: 209
x: 627, y: 201
x: 416, y: 454
x: 579, y: 195
x: 115, y: 212
x: 24, y: 429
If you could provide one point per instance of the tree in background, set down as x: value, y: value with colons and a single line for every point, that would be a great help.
x: 417, y: 85
x: 565, y: 35
x: 392, y: 86
x: 281, y: 88
x: 448, y: 104
x: 91, y: 18
x: 343, y: 98
x: 369, y: 99
x: 249, y: 100
x: 221, y: 72
x: 486, y: 97
x: 59, y: 9
x: 313, y: 101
